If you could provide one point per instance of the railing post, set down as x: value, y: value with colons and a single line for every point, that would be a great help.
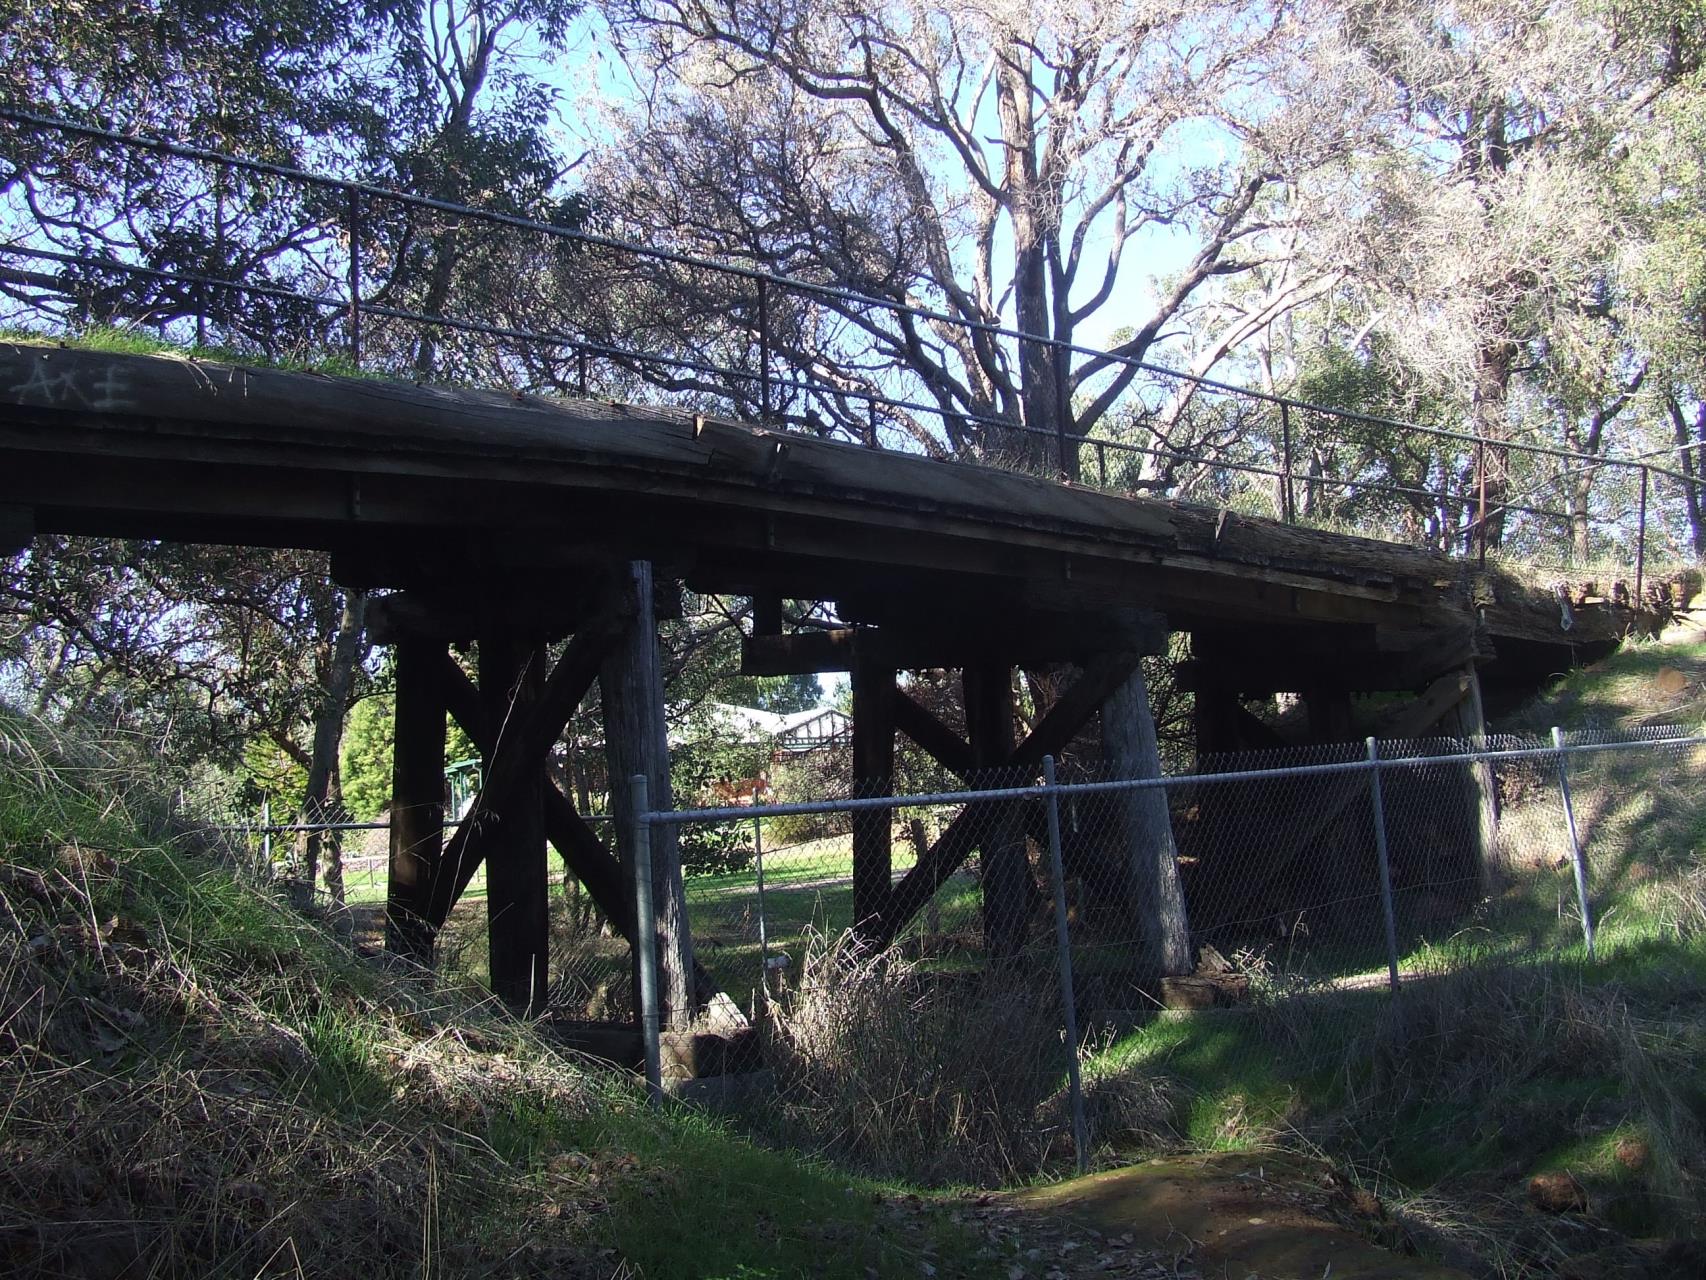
x: 200, y: 295
x: 871, y: 415
x: 763, y: 349
x: 1102, y: 462
x: 645, y: 935
x: 1386, y: 909
x: 1641, y: 541
x: 1063, y: 410
x: 266, y: 836
x: 1288, y: 500
x: 354, y: 229
x: 580, y: 370
x: 1063, y: 946
x: 1577, y: 858
x: 1481, y: 500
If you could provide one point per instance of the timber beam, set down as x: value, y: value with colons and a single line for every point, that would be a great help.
x: 17, y: 529
x: 1059, y: 725
x: 522, y: 743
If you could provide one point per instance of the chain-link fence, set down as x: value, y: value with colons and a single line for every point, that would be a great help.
x: 1288, y: 893
x: 899, y: 963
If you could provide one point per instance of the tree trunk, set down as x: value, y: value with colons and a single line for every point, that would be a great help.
x: 1691, y: 453
x: 1156, y: 895
x: 1032, y: 224
x: 348, y: 648
x: 636, y: 741
x: 1487, y: 412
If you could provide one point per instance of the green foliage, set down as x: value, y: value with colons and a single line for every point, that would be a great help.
x: 364, y: 760
x: 707, y: 851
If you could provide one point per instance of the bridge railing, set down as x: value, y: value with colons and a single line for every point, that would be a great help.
x: 226, y: 253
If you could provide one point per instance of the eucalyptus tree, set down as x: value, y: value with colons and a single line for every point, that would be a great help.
x: 993, y: 163
x: 1490, y: 210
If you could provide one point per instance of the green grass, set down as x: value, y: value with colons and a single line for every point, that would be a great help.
x: 243, y: 1052
x: 1510, y: 1052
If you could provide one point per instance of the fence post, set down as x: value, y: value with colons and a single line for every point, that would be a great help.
x: 1288, y: 500
x: 763, y: 933
x: 1577, y: 858
x: 266, y: 836
x: 1385, y: 863
x: 355, y: 277
x: 1641, y: 542
x: 1063, y: 946
x: 645, y: 935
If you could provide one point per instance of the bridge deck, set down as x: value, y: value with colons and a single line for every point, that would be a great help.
x: 412, y: 486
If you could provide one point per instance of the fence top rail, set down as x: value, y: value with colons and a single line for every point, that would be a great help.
x: 354, y: 187
x: 1040, y: 791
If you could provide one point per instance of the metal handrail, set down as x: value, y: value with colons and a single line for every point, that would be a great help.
x: 1484, y: 505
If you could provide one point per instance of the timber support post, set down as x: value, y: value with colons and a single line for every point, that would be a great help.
x: 517, y: 877
x: 1483, y: 787
x: 874, y: 691
x: 417, y: 799
x: 1005, y: 879
x: 637, y: 742
x: 1152, y: 867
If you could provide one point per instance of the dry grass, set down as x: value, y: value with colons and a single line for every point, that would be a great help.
x: 905, y: 1072
x: 197, y: 1081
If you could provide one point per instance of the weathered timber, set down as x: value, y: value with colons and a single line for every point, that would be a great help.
x: 417, y: 797
x: 955, y: 640
x: 944, y: 746
x: 583, y: 852
x: 1150, y: 860
x: 459, y: 617
x: 165, y: 447
x: 636, y: 741
x: 512, y: 812
x: 1052, y: 733
x: 1005, y: 878
x: 873, y: 775
x: 1469, y: 724
x: 520, y: 746
x: 1345, y: 791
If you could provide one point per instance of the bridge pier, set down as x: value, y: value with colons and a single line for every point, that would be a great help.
x: 417, y: 796
x: 512, y: 680
x: 873, y: 682
x: 636, y: 741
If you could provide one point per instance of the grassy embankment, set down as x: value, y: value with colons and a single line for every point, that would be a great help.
x: 1510, y: 1052
x: 198, y: 1081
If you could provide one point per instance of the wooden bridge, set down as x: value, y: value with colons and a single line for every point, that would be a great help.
x: 513, y: 522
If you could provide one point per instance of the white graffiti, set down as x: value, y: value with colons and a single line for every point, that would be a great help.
x: 108, y: 391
